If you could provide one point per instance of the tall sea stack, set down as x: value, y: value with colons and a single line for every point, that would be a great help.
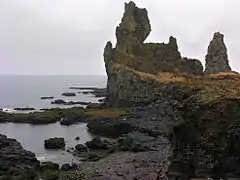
x: 217, y: 58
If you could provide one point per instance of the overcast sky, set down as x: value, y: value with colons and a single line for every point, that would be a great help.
x: 68, y: 36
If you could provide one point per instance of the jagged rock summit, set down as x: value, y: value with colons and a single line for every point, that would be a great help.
x: 134, y: 28
x: 217, y: 58
x: 132, y: 64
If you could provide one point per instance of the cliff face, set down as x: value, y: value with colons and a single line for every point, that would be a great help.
x: 127, y: 87
x: 217, y: 58
x: 206, y: 130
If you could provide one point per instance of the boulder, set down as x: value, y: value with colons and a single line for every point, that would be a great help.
x: 77, y: 138
x: 49, y: 166
x: 96, y: 143
x: 66, y: 167
x: 54, y: 143
x: 69, y: 94
x: 59, y: 102
x: 81, y: 148
x: 217, y: 58
x: 109, y: 127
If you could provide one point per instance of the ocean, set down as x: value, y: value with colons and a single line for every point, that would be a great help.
x: 26, y: 91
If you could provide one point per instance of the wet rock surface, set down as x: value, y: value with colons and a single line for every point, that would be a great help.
x: 54, y: 143
x: 15, y: 162
x: 81, y: 148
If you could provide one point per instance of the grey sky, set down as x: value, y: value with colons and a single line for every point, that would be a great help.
x: 68, y: 36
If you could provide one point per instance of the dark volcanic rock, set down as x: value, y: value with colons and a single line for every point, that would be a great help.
x: 48, y: 175
x: 16, y: 162
x: 49, y: 166
x: 66, y: 167
x: 24, y: 109
x: 109, y: 127
x: 217, y: 58
x: 132, y: 65
x: 62, y: 102
x: 77, y: 138
x: 81, y: 148
x: 69, y: 94
x: 206, y: 141
x: 59, y: 101
x: 100, y: 92
x: 54, y: 143
x: 134, y: 28
x: 96, y: 143
x: 47, y: 97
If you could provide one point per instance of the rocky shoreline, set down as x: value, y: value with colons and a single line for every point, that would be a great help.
x: 163, y: 117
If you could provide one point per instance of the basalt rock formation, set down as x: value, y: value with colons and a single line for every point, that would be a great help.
x: 217, y: 58
x: 16, y: 162
x: 131, y: 55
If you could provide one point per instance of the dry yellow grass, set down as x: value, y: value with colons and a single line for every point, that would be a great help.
x: 211, y: 87
x: 105, y: 113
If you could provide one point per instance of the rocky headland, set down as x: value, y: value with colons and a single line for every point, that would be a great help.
x: 164, y: 115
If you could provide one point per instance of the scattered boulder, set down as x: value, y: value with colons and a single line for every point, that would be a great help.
x: 69, y: 94
x: 109, y: 127
x: 48, y: 165
x: 66, y: 167
x: 77, y: 138
x: 59, y: 102
x: 47, y: 97
x: 96, y: 143
x: 81, y: 148
x: 217, y: 58
x: 54, y: 143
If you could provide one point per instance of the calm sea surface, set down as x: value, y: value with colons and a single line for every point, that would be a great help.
x: 26, y: 91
